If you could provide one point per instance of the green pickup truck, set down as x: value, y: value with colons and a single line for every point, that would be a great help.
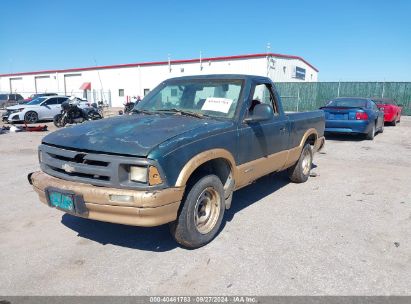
x: 180, y: 155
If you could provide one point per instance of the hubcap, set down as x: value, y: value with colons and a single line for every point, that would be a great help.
x: 31, y: 117
x: 306, y: 163
x: 207, y: 210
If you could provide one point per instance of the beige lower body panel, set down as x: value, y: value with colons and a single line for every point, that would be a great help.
x: 149, y: 208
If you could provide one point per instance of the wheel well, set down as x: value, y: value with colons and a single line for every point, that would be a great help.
x: 219, y: 167
x: 311, y: 139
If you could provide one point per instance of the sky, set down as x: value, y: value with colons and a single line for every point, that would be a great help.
x: 346, y: 40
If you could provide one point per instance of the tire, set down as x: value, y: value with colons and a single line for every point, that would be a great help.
x: 58, y: 121
x: 382, y: 128
x: 394, y: 122
x: 370, y: 135
x: 194, y: 227
x: 31, y: 117
x: 300, y: 172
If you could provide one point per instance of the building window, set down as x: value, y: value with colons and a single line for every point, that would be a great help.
x: 182, y: 70
x: 146, y: 91
x: 284, y: 69
x: 121, y: 92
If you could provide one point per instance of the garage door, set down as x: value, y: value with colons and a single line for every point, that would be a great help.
x: 43, y: 84
x: 16, y: 85
x: 72, y: 84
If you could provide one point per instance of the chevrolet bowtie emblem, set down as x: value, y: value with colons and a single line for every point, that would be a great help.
x: 68, y: 168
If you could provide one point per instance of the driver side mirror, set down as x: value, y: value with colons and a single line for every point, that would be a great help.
x: 401, y: 106
x: 261, y: 112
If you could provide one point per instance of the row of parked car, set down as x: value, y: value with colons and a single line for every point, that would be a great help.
x: 13, y: 99
x: 365, y: 116
x: 39, y: 107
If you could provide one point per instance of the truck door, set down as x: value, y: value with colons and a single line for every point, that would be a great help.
x: 265, y: 140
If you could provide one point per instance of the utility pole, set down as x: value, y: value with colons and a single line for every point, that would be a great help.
x: 201, y: 62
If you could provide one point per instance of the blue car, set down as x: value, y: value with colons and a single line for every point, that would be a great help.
x: 353, y: 115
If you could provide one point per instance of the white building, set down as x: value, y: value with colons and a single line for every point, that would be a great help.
x: 115, y: 83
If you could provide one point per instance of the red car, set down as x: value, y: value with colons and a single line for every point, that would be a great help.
x: 392, y: 110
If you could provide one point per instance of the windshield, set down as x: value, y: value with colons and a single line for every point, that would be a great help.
x: 37, y: 101
x: 216, y: 98
x: 348, y: 102
x: 383, y: 101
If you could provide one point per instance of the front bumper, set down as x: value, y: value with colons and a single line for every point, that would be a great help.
x: 148, y: 208
x: 14, y: 117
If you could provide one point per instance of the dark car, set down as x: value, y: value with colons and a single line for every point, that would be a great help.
x: 9, y: 100
x: 353, y: 115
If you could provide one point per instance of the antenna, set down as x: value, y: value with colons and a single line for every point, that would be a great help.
x: 268, y: 48
x: 169, y: 62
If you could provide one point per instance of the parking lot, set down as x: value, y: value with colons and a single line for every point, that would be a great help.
x: 344, y: 232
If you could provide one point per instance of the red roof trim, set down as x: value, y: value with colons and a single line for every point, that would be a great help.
x: 130, y: 65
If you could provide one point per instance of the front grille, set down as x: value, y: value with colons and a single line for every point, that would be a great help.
x: 91, y: 168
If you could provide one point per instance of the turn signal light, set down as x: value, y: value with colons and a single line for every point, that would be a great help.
x: 154, y: 176
x: 361, y: 116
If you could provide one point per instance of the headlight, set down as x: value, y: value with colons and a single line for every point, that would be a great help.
x: 138, y: 174
x: 145, y: 175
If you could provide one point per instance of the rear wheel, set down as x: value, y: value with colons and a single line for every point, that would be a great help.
x: 394, y: 122
x: 31, y: 117
x: 201, y: 214
x: 300, y: 172
x: 371, y: 133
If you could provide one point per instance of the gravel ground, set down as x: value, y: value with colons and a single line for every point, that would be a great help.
x: 344, y: 232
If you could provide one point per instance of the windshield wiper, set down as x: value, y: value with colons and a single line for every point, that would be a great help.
x: 187, y: 113
x: 141, y: 111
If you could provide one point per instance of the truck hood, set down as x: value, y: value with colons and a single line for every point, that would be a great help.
x: 134, y: 135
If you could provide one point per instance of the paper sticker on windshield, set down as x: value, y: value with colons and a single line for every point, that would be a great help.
x: 217, y: 104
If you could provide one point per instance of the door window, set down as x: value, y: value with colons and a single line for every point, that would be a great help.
x: 262, y: 95
x: 61, y: 100
x: 51, y: 101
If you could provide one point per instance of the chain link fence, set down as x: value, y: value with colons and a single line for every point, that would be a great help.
x: 307, y: 96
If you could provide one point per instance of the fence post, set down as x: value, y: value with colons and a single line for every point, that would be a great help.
x: 338, y: 90
x: 298, y: 98
x: 383, y: 90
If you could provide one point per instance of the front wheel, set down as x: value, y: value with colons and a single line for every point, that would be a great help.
x: 59, y: 121
x: 201, y: 214
x: 31, y: 117
x: 300, y: 172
